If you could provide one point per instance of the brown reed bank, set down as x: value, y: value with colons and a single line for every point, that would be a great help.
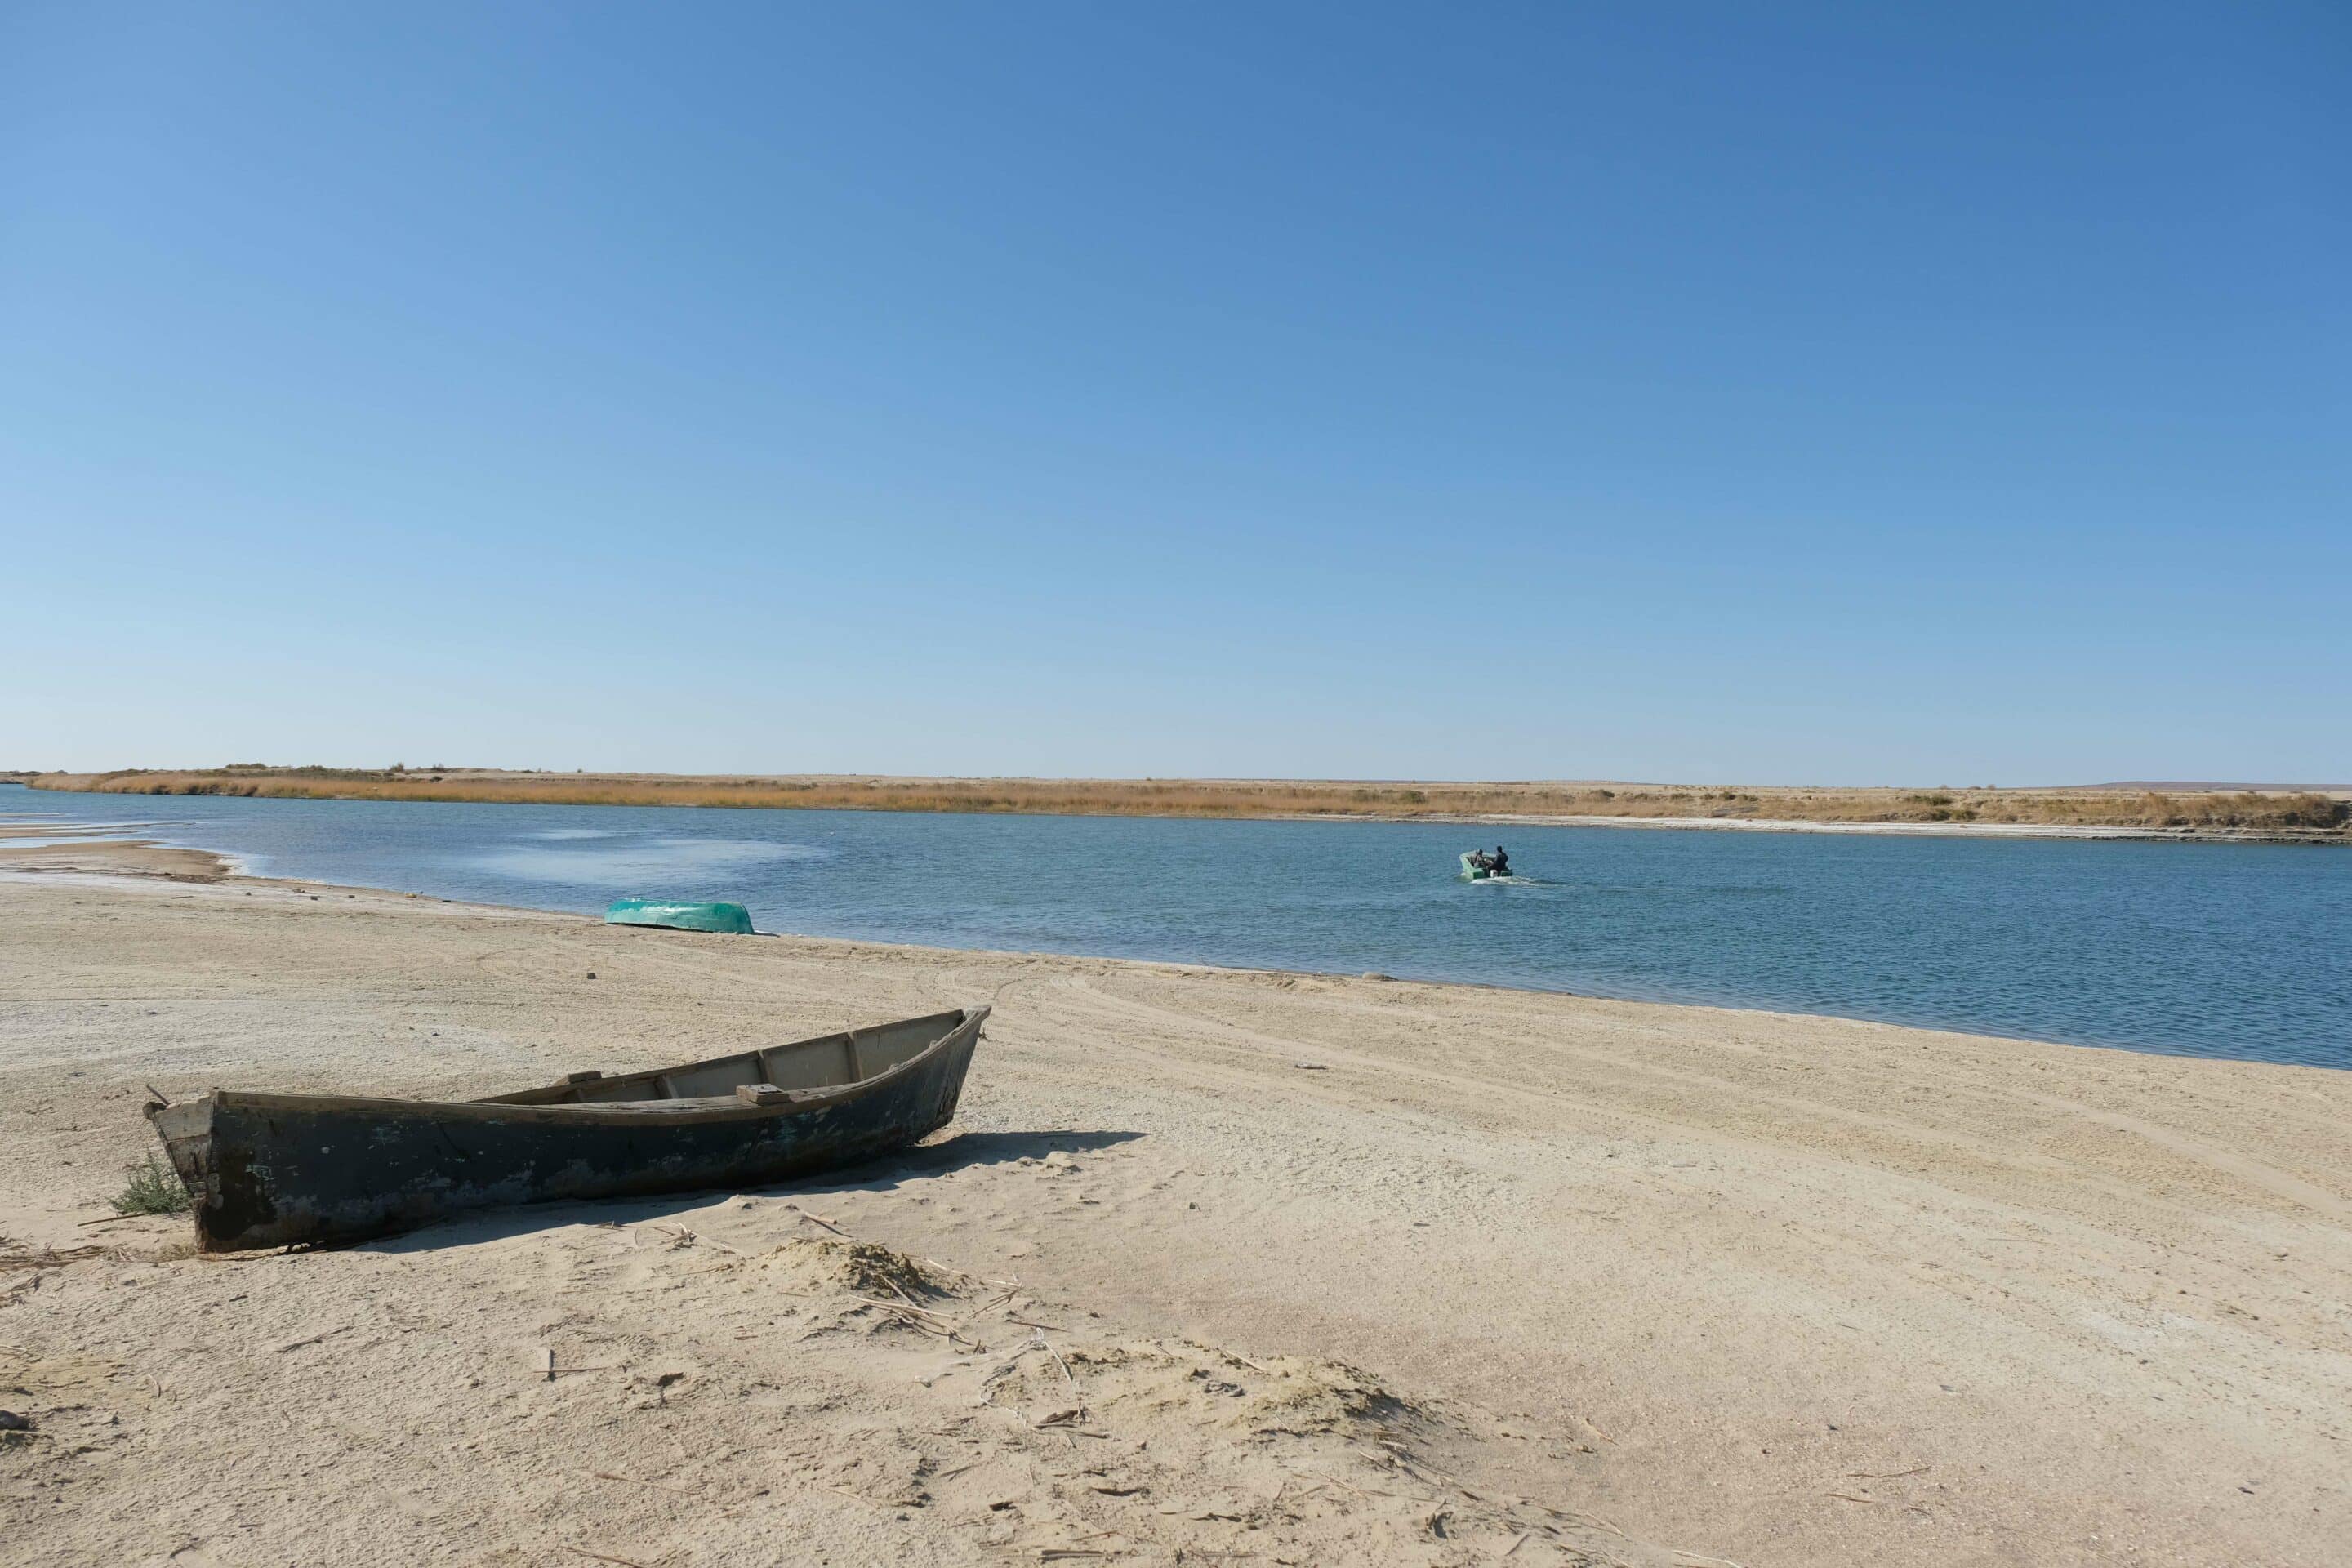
x: 2193, y: 812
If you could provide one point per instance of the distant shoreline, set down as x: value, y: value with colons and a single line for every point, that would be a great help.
x: 2170, y: 815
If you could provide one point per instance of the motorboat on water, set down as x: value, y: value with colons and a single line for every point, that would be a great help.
x: 1478, y: 866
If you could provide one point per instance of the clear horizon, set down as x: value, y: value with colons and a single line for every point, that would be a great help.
x: 1713, y: 396
x: 2266, y: 785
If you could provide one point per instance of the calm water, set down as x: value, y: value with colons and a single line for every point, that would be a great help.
x: 2209, y: 950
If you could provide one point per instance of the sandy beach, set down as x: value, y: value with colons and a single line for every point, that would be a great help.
x: 102, y: 849
x: 1212, y: 1265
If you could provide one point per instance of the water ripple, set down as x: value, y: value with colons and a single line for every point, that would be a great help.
x: 2208, y: 949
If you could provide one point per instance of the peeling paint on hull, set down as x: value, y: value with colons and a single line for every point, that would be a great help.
x: 268, y: 1170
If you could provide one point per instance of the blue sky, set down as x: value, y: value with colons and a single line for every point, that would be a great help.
x: 1772, y: 393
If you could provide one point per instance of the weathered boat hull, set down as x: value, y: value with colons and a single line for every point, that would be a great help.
x: 267, y: 1170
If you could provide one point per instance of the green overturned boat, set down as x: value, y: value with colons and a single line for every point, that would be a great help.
x: 732, y: 920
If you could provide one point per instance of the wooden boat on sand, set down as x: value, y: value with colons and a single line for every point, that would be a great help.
x: 266, y: 1170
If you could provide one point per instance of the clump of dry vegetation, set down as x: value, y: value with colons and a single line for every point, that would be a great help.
x: 2305, y: 814
x: 862, y: 1268
x: 153, y: 1188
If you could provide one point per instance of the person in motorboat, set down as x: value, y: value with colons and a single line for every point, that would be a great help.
x: 1498, y: 864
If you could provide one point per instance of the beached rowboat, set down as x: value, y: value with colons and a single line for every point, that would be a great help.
x: 732, y: 920
x: 269, y: 1169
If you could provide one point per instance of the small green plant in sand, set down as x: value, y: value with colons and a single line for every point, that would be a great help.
x: 153, y: 1188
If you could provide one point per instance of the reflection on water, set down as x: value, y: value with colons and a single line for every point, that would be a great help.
x: 630, y: 860
x: 2211, y: 950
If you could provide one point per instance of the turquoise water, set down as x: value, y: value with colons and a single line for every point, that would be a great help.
x: 2209, y: 950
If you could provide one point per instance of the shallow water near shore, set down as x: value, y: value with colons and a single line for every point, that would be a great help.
x: 2235, y: 950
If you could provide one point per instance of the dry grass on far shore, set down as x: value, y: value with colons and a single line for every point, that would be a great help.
x: 2299, y: 813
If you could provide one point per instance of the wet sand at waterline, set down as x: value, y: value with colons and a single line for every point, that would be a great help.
x: 1211, y: 1262
x: 70, y: 847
